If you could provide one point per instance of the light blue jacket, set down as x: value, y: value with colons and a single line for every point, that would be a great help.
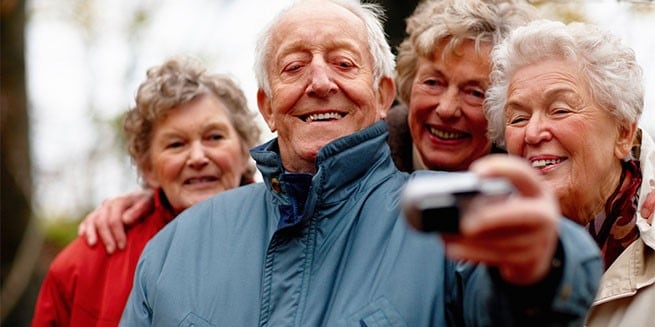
x: 333, y: 250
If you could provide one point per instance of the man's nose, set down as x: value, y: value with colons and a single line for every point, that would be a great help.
x: 321, y: 83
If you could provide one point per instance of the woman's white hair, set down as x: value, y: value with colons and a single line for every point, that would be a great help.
x: 609, y: 67
x: 371, y: 14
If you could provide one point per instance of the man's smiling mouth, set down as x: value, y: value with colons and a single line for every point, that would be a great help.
x: 326, y: 116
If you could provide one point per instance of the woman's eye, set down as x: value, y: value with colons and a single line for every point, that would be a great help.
x: 561, y: 110
x: 173, y: 145
x: 431, y: 82
x: 476, y: 93
x: 474, y: 96
x: 216, y: 137
x: 515, y: 119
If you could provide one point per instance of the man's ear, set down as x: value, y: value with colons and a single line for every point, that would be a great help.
x: 264, y: 104
x: 625, y: 140
x: 386, y: 94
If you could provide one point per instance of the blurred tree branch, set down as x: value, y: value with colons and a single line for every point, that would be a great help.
x: 21, y: 240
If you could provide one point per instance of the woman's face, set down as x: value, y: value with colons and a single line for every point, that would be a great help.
x: 552, y: 121
x: 446, y: 118
x: 195, y: 153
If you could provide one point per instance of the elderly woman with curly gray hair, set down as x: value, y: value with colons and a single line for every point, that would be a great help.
x: 189, y: 135
x: 568, y: 98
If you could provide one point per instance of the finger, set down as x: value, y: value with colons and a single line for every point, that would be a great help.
x: 117, y: 229
x: 524, y: 178
x: 143, y: 204
x: 86, y: 229
x: 501, y: 249
x: 114, y: 221
x: 515, y: 213
x: 81, y: 228
x: 649, y: 205
x: 490, y: 256
x: 519, y: 264
x: 102, y: 227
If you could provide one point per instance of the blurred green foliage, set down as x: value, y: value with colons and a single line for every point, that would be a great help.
x: 60, y: 231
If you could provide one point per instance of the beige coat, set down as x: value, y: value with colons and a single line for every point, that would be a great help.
x: 627, y: 291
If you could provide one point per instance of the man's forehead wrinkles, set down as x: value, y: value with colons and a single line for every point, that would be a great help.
x: 302, y: 47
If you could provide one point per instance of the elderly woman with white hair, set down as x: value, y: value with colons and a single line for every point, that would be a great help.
x: 568, y: 99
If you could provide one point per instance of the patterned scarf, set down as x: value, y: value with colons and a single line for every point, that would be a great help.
x: 616, y: 228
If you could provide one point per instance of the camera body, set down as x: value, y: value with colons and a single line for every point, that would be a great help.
x: 435, y: 202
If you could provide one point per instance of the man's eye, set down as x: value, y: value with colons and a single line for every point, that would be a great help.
x: 292, y: 68
x: 345, y: 64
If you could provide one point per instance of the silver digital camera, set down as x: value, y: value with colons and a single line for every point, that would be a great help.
x: 435, y: 202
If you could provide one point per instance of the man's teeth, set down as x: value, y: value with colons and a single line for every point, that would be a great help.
x: 446, y: 135
x: 323, y: 116
x: 544, y: 163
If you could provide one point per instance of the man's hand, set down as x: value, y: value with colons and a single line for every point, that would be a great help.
x: 110, y: 219
x: 518, y: 235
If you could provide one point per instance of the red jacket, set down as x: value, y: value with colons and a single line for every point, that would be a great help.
x: 85, y: 286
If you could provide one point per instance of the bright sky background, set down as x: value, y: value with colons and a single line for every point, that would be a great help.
x: 78, y: 81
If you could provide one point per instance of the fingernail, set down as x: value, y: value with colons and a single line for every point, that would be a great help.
x: 110, y: 249
x: 646, y: 212
x: 121, y: 245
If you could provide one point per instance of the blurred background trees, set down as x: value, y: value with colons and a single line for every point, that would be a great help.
x: 20, y: 238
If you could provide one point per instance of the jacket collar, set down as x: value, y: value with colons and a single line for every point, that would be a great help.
x: 347, y: 158
x: 632, y: 270
x: 163, y: 206
x: 339, y: 163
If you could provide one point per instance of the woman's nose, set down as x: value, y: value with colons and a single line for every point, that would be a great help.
x: 197, y: 155
x: 536, y: 130
x: 449, y: 105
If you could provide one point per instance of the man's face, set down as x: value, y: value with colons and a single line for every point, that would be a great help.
x: 321, y: 77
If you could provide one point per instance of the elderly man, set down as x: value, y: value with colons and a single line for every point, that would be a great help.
x: 322, y: 241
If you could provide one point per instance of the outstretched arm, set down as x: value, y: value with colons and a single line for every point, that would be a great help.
x: 519, y: 235
x: 540, y: 267
x: 111, y: 218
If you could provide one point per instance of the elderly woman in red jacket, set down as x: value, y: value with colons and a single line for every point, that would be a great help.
x: 189, y: 135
